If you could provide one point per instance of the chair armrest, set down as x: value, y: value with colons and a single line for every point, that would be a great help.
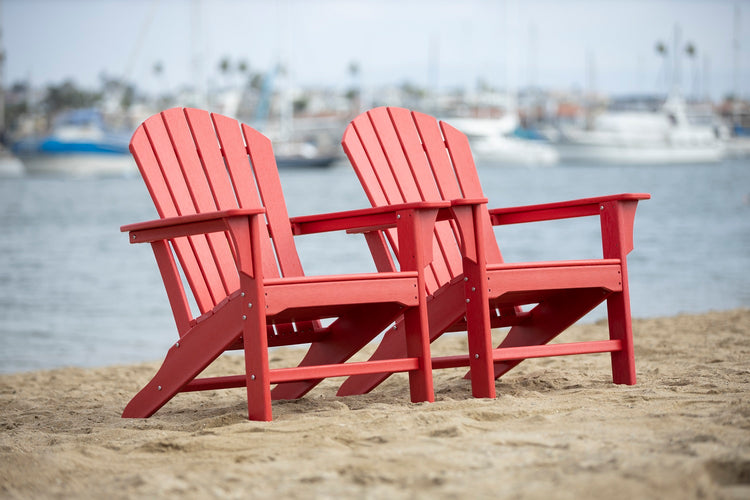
x: 468, y: 201
x: 185, y: 225
x: 560, y: 210
x: 366, y: 219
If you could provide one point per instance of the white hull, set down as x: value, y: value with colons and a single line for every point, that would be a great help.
x: 631, y: 155
x: 80, y: 165
x: 507, y: 151
x: 491, y: 142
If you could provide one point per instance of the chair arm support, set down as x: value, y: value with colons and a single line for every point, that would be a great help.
x: 363, y: 220
x: 560, y: 210
x: 616, y: 214
x: 186, y: 225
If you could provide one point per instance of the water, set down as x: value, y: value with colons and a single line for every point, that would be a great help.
x: 73, y: 292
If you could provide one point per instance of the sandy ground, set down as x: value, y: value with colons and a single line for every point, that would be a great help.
x: 558, y: 429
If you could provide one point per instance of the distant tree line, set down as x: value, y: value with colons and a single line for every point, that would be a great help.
x: 21, y: 99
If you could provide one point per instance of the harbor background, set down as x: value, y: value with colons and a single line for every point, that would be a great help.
x: 624, y: 84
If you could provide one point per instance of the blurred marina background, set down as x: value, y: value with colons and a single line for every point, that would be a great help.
x: 560, y: 100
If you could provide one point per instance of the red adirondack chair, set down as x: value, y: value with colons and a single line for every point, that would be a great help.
x: 224, y: 225
x: 402, y: 156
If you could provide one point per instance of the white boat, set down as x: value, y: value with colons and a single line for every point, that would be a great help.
x: 661, y: 136
x: 79, y: 144
x: 492, y: 142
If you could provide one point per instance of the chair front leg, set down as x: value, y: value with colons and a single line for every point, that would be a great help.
x: 245, y: 234
x: 471, y: 224
x: 415, y: 228
x: 617, y: 219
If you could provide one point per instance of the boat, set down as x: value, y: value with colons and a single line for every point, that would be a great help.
x: 302, y: 146
x: 302, y: 154
x: 79, y: 144
x: 641, y: 134
x: 494, y: 141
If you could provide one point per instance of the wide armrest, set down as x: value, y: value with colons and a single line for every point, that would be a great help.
x: 468, y: 201
x: 185, y: 225
x: 359, y: 220
x: 560, y: 210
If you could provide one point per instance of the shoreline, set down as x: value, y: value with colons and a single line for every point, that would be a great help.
x: 156, y: 361
x: 558, y: 428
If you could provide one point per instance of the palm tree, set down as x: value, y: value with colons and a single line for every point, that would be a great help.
x: 225, y: 66
x: 663, y: 52
x: 354, y: 93
x: 691, y: 52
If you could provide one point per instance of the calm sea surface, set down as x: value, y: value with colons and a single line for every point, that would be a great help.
x: 73, y: 292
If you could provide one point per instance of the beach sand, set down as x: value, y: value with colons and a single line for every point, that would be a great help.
x: 558, y: 429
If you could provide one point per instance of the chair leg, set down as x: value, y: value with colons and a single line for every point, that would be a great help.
x: 185, y: 360
x: 256, y: 367
x: 418, y: 345
x: 617, y: 231
x: 479, y: 331
x: 621, y: 328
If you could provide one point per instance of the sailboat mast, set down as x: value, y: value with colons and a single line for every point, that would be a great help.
x: 676, y: 57
x: 196, y: 46
x: 736, y: 52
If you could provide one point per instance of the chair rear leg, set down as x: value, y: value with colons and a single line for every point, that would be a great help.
x: 390, y: 347
x: 348, y: 336
x: 443, y: 311
x: 548, y: 320
x: 320, y: 352
x: 185, y: 360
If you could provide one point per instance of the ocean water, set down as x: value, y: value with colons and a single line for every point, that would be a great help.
x: 73, y: 292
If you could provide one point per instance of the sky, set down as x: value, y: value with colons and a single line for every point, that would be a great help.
x: 605, y: 45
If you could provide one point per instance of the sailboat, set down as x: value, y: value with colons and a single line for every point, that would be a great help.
x: 493, y: 142
x: 636, y: 131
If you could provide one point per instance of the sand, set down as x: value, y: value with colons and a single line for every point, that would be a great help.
x: 558, y: 429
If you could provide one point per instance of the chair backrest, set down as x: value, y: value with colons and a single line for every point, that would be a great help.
x: 404, y: 156
x: 193, y: 161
